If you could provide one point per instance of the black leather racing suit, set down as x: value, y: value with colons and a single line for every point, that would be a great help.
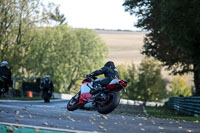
x: 5, y: 72
x: 110, y: 72
x: 47, y: 86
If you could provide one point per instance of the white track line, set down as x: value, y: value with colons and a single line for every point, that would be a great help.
x: 45, y: 128
x: 35, y: 101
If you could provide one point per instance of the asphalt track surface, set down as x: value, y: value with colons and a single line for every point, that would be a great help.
x: 55, y: 115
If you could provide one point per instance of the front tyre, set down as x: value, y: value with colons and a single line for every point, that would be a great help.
x: 46, y: 97
x: 111, y: 104
x: 72, y: 104
x: 47, y: 100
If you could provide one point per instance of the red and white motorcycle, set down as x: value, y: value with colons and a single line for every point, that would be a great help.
x: 105, y: 101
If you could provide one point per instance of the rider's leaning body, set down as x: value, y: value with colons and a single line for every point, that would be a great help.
x: 6, y: 74
x: 110, y: 72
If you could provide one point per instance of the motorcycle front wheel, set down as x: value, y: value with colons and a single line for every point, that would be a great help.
x: 73, y: 102
x: 110, y: 104
x: 72, y: 105
x: 46, y: 98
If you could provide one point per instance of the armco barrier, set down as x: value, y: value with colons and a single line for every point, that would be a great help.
x: 188, y: 105
x: 122, y: 101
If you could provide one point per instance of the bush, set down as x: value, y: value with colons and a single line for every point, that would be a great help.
x: 146, y: 83
x: 179, y: 87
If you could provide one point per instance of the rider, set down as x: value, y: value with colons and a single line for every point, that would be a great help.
x: 6, y: 74
x: 47, y: 86
x: 110, y: 72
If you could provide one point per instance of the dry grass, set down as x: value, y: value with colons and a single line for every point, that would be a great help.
x: 125, y: 48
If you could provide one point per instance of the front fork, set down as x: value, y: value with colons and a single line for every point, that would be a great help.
x: 76, y: 97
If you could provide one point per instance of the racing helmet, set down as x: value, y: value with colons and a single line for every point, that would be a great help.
x: 110, y: 64
x: 47, y: 78
x: 4, y: 63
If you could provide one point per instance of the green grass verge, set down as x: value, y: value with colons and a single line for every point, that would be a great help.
x: 22, y: 98
x: 166, y: 113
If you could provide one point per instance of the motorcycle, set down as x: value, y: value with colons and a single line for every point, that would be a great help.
x: 104, y: 101
x: 46, y: 95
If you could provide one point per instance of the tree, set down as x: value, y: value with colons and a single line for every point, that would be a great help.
x: 179, y: 87
x: 64, y: 53
x: 57, y: 16
x: 151, y: 86
x: 123, y: 71
x: 146, y: 82
x: 90, y: 55
x: 172, y: 33
x: 129, y: 72
x: 33, y: 47
x: 17, y: 20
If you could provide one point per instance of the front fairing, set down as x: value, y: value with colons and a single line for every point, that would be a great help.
x: 86, y: 87
x: 85, y: 91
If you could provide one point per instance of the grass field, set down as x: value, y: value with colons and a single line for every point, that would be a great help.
x: 125, y: 47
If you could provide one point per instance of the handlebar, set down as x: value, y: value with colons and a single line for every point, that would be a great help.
x: 91, y: 78
x: 128, y: 80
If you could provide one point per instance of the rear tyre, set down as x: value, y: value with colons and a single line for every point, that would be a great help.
x: 111, y: 104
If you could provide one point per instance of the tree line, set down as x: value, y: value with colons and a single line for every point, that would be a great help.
x: 147, y: 83
x: 35, y: 40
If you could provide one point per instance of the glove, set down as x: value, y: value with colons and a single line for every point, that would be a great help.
x: 87, y: 76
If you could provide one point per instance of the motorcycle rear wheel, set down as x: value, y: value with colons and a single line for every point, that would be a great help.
x: 111, y: 104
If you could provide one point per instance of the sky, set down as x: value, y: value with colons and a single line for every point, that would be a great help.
x: 93, y: 14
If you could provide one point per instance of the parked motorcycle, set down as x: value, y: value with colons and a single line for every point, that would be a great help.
x: 105, y: 101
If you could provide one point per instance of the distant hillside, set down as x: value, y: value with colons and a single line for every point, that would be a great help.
x: 124, y: 46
